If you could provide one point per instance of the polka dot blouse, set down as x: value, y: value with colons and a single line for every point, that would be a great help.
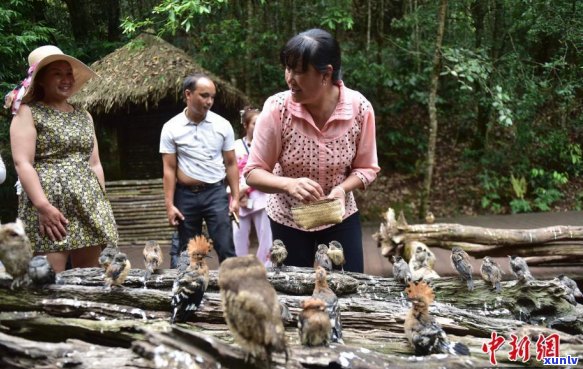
x: 288, y: 143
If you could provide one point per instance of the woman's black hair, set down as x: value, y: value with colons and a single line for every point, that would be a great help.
x: 314, y: 46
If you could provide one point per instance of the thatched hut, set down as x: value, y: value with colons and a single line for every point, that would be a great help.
x: 139, y: 89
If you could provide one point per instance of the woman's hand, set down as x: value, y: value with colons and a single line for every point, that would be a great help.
x: 339, y: 193
x: 52, y: 222
x: 304, y: 189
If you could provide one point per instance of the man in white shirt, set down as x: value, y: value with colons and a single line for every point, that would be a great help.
x: 197, y: 148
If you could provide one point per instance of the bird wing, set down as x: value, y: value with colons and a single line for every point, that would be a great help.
x: 116, y: 270
x: 430, y: 338
x: 252, y: 313
x: 187, y: 297
x: 333, y: 310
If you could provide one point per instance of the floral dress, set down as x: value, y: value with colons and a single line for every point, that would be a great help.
x: 64, y: 145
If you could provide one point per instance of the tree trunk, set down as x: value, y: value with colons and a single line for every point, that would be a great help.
x: 482, y: 109
x: 368, y: 23
x: 426, y: 194
x: 81, y: 20
x: 554, y: 244
x: 113, y: 20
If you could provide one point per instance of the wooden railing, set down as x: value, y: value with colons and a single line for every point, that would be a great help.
x: 138, y: 206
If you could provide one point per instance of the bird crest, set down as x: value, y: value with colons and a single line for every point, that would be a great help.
x: 420, y: 290
x: 199, y: 246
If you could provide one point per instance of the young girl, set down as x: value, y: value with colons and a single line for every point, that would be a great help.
x: 252, y: 202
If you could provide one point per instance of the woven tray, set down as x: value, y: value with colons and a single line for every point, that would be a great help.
x: 317, y: 213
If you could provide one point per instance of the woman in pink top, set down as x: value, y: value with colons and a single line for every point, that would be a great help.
x: 313, y: 141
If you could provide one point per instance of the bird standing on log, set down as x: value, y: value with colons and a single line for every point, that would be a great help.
x: 325, y: 293
x: 520, y: 269
x: 190, y: 285
x: 573, y: 291
x: 107, y: 255
x: 491, y: 272
x: 336, y: 254
x: 314, y: 324
x: 460, y: 261
x: 153, y: 258
x: 422, y: 330
x: 251, y: 308
x: 277, y: 255
x: 421, y: 262
x: 40, y: 271
x: 118, y: 270
x: 322, y: 259
x: 15, y: 252
x: 401, y: 271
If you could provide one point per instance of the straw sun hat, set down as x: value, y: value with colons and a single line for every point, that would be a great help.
x: 39, y: 58
x: 44, y: 55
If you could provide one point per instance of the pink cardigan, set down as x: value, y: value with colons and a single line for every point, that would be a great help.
x: 288, y: 143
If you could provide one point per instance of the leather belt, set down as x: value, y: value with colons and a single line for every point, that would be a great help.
x: 200, y: 187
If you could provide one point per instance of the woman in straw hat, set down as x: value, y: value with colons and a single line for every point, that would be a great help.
x: 63, y: 206
x: 311, y: 142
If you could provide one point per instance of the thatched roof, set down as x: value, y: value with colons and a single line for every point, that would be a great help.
x: 143, y: 72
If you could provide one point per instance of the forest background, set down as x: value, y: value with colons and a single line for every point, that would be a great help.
x: 479, y: 103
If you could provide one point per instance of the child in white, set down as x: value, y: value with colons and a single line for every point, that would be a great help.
x: 252, y: 202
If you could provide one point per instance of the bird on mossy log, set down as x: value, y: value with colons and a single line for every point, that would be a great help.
x: 323, y: 292
x: 118, y: 270
x: 401, y: 271
x: 519, y: 268
x: 460, y: 261
x: 251, y: 307
x: 322, y: 259
x: 153, y: 258
x: 421, y: 261
x: 40, y: 271
x: 336, y: 254
x: 423, y: 332
x: 314, y: 325
x: 277, y: 255
x: 190, y: 285
x: 491, y: 272
x: 573, y: 291
x: 15, y: 252
x: 107, y: 255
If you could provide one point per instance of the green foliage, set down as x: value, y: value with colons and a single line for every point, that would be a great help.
x: 519, y: 186
x: 511, y: 73
x: 337, y: 16
x: 492, y: 187
x: 19, y: 33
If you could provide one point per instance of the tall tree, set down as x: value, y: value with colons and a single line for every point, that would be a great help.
x: 433, y: 109
x: 82, y: 22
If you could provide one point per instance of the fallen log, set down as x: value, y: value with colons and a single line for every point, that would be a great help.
x: 547, y: 245
x: 534, y: 302
x: 372, y: 320
x: 19, y: 353
x: 297, y: 281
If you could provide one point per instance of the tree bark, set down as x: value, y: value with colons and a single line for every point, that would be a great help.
x: 113, y: 20
x: 372, y: 318
x: 552, y: 245
x: 81, y: 20
x: 433, y: 111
